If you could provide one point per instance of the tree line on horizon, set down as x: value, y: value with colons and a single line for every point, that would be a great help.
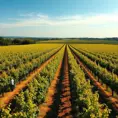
x: 16, y: 41
x: 27, y: 40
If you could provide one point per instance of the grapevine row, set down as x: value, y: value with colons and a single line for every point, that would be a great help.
x: 85, y: 102
x: 21, y: 72
x: 102, y: 62
x: 27, y: 102
x: 15, y: 62
x: 109, y: 79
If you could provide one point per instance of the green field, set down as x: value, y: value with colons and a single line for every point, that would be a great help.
x: 81, y: 41
x: 59, y: 79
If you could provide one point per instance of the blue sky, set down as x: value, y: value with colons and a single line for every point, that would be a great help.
x: 59, y: 18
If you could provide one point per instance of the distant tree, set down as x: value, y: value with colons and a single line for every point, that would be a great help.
x: 28, y: 41
x: 1, y: 40
x: 16, y: 41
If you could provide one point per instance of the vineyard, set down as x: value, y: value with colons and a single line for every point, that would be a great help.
x: 59, y: 81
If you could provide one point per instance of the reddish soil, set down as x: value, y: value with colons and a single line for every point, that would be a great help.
x: 65, y: 107
x: 45, y: 107
x: 10, y: 95
x: 107, y: 95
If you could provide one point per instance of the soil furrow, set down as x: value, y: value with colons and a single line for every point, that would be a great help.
x: 58, y: 104
x: 65, y: 107
x: 46, y: 106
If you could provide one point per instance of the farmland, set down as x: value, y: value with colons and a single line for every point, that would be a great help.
x: 59, y: 80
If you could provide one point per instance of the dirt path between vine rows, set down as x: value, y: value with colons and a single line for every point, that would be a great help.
x: 107, y: 95
x: 45, y: 107
x: 65, y: 107
x: 58, y: 99
x: 5, y: 100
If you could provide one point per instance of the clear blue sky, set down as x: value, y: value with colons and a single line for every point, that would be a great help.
x: 59, y: 18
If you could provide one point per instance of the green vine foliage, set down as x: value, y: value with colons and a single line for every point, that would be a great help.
x: 19, y: 73
x: 110, y: 79
x: 86, y: 103
x: 25, y: 104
